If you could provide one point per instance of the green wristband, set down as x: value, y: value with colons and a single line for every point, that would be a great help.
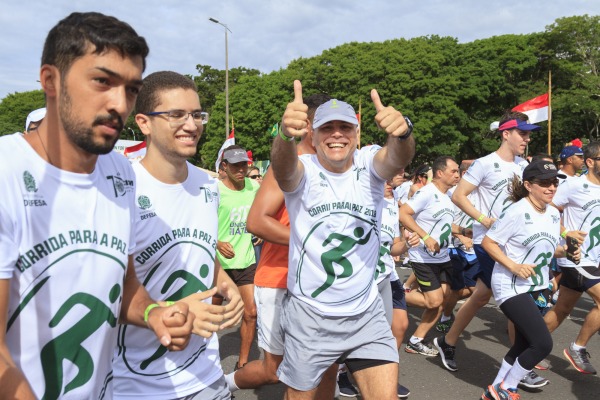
x: 169, y: 303
x: 564, y: 234
x: 426, y: 237
x: 148, y: 309
x: 284, y: 137
x: 481, y: 217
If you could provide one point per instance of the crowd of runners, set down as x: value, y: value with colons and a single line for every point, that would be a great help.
x: 114, y: 279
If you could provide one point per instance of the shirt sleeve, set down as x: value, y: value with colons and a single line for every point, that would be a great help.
x: 561, y: 198
x: 475, y: 173
x: 503, y: 228
x: 419, y: 201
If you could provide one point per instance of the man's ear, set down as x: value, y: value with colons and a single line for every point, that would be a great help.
x: 50, y: 79
x: 144, y: 123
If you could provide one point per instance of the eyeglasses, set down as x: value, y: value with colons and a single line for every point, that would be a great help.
x: 257, y: 176
x: 547, y: 183
x: 179, y: 117
x: 595, y: 158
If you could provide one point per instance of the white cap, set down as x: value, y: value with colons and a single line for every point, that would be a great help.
x: 35, y: 116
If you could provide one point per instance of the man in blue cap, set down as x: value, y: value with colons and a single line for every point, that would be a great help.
x: 571, y: 158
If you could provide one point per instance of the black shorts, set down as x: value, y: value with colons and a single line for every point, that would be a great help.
x: 243, y: 276
x: 580, y: 278
x: 431, y: 276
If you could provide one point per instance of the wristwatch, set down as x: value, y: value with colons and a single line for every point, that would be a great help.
x: 409, y: 131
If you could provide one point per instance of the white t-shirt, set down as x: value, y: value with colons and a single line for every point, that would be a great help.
x: 335, y: 223
x: 492, y: 176
x: 562, y: 180
x: 401, y: 191
x: 580, y: 200
x: 176, y: 232
x: 526, y: 237
x: 390, y: 229
x: 434, y: 213
x: 64, y: 244
x: 463, y: 220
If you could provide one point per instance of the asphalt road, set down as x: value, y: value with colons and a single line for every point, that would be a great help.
x: 478, y: 355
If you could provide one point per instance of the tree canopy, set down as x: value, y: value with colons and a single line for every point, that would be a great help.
x: 451, y: 91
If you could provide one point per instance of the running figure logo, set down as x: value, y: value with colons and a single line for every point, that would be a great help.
x: 594, y: 235
x: 192, y: 285
x: 540, y: 261
x: 67, y: 346
x: 337, y: 256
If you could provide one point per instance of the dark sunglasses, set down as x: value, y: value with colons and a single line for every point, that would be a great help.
x: 255, y: 176
x: 547, y: 183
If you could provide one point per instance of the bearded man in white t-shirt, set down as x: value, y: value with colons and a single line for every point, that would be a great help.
x: 67, y: 225
x: 335, y: 199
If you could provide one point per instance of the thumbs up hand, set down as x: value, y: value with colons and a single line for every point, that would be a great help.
x: 388, y: 118
x: 295, y: 118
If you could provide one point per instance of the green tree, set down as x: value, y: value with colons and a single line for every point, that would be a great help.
x: 15, y: 107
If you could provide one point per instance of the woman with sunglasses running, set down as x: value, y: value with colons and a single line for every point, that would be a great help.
x: 522, y: 242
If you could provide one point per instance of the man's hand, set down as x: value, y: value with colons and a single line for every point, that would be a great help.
x: 432, y: 245
x: 466, y: 241
x: 488, y: 222
x: 388, y: 118
x: 172, y: 325
x: 226, y: 249
x: 295, y: 118
x: 234, y: 310
x: 207, y: 316
x: 412, y: 238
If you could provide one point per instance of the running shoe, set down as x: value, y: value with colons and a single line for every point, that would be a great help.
x: 444, y: 327
x: 446, y: 353
x: 421, y: 348
x: 347, y: 389
x: 579, y: 359
x: 486, y: 395
x: 499, y: 392
x: 543, y: 365
x: 403, y: 392
x: 533, y: 381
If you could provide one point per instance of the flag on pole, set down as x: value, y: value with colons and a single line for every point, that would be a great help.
x: 536, y: 109
x: 229, y: 142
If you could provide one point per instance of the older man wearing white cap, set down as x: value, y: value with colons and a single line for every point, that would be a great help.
x: 333, y: 312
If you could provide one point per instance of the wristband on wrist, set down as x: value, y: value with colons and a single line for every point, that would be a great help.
x: 564, y: 234
x: 480, y: 218
x: 409, y: 131
x: 284, y: 137
x: 169, y: 303
x: 426, y: 237
x: 148, y: 309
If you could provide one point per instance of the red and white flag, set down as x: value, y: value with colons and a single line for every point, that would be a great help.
x: 136, y: 152
x: 229, y: 142
x: 536, y: 108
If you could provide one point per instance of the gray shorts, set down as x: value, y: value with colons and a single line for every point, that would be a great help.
x: 385, y: 291
x: 314, y: 342
x: 218, y: 390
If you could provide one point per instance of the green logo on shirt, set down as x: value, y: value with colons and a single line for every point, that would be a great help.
x: 144, y: 202
x: 594, y: 235
x: 29, y: 181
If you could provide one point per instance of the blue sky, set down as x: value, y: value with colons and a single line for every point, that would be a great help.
x: 266, y: 34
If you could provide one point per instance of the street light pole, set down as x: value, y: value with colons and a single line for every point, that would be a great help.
x: 226, y: 77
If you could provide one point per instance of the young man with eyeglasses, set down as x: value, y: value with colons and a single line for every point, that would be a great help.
x: 67, y: 222
x: 235, y: 248
x: 176, y: 229
x: 489, y: 178
x: 332, y: 312
x: 579, y: 200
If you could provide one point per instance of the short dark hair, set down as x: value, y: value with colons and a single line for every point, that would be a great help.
x: 314, y: 101
x: 591, y: 150
x: 70, y: 38
x: 440, y: 164
x: 149, y: 97
x: 542, y: 156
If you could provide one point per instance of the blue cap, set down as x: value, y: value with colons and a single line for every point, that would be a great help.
x: 570, y: 151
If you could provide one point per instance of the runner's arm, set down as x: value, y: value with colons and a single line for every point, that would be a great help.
x: 172, y: 324
x: 261, y: 218
x: 14, y: 384
x: 459, y: 197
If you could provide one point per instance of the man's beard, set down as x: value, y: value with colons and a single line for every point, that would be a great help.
x: 81, y: 135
